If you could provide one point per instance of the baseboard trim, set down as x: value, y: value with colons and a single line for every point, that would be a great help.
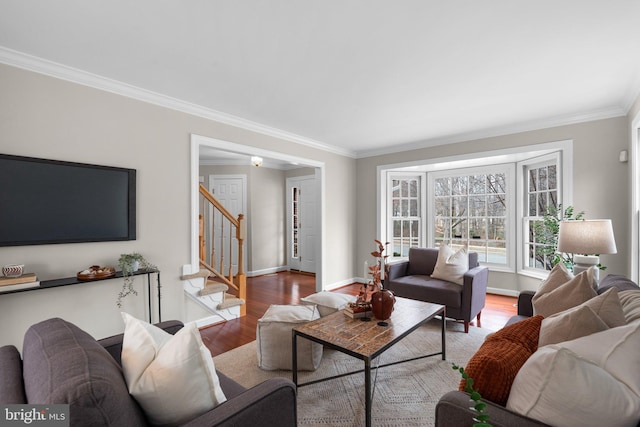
x: 272, y: 270
x: 506, y: 292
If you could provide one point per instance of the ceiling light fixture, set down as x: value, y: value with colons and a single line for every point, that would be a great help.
x: 256, y: 161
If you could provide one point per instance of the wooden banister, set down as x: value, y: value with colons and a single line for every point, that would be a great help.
x: 239, y: 283
x: 205, y: 193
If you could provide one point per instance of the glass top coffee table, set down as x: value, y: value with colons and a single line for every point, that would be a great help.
x: 367, y: 340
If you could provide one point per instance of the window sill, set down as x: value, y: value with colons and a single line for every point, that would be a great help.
x: 534, y: 274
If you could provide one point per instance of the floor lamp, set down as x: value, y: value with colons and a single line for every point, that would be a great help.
x: 585, y: 238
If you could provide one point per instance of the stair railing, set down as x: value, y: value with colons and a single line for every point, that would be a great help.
x: 237, y: 230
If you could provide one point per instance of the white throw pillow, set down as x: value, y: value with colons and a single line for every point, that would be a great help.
x: 328, y: 302
x: 630, y: 301
x: 570, y: 324
x: 451, y: 265
x: 558, y: 276
x: 589, y: 381
x: 570, y: 294
x: 172, y: 377
x: 608, y: 307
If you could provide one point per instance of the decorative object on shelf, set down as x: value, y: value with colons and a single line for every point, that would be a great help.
x: 583, y: 241
x: 13, y: 270
x: 382, y: 300
x: 95, y: 272
x: 129, y: 264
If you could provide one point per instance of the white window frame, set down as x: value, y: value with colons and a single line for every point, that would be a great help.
x: 422, y: 206
x: 509, y: 170
x: 525, y: 167
x: 513, y: 155
x: 564, y: 172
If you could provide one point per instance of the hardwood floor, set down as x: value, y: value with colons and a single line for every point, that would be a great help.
x: 288, y: 288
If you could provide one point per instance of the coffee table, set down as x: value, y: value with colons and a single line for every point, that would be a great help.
x: 367, y: 340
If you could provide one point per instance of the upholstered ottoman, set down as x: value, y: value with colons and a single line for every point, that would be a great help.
x: 273, y: 338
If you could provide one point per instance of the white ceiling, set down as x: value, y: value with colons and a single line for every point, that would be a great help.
x: 360, y: 77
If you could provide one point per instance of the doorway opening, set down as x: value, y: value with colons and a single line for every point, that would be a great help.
x: 302, y: 223
x: 242, y: 153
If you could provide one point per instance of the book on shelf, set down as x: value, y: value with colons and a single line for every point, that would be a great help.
x: 25, y: 278
x: 17, y: 286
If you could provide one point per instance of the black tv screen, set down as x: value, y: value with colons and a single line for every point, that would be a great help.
x: 49, y: 201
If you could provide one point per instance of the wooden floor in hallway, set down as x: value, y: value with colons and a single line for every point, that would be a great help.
x: 288, y: 288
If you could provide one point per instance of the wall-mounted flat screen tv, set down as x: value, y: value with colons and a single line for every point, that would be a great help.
x: 48, y: 201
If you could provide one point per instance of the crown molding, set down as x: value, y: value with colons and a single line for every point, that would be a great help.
x: 632, y: 95
x: 606, y: 113
x: 74, y: 75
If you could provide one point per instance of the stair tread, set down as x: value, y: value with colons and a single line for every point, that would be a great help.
x: 213, y: 287
x: 230, y: 302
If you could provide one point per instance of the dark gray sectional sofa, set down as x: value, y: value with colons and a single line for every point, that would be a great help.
x: 60, y: 363
x: 453, y: 409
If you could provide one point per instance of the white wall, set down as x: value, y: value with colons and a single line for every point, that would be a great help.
x: 601, y: 184
x: 50, y: 118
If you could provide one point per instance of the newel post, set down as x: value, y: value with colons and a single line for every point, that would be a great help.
x: 241, y: 233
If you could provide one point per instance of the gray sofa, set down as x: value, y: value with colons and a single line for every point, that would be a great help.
x: 453, y: 409
x: 412, y: 279
x: 60, y: 363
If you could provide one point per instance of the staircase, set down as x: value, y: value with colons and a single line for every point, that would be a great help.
x: 223, y: 296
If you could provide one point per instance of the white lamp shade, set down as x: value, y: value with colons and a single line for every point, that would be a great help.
x: 587, y: 237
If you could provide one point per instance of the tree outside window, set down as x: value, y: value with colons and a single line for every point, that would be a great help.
x: 471, y: 210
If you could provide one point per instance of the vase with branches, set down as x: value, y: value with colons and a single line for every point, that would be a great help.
x: 382, y: 300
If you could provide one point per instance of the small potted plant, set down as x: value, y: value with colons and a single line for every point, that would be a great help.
x: 129, y: 264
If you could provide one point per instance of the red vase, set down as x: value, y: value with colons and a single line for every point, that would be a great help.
x: 382, y: 304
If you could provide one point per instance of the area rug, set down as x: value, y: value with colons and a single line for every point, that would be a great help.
x: 405, y: 394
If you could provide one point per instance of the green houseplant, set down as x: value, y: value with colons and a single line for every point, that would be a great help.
x: 546, y: 233
x: 482, y: 418
x: 129, y: 264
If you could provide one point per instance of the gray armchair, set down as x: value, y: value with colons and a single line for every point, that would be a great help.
x: 412, y: 279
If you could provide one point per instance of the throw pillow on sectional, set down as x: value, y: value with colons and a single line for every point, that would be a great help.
x: 172, y: 377
x: 570, y: 324
x: 597, y: 314
x: 497, y: 362
x: 589, y: 381
x: 570, y: 294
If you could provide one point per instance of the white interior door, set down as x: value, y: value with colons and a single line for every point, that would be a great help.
x: 230, y: 191
x: 302, y: 223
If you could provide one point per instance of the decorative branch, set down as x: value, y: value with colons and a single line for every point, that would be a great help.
x: 481, y: 420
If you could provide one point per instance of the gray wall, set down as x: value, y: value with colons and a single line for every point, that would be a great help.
x: 41, y: 116
x: 601, y: 184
